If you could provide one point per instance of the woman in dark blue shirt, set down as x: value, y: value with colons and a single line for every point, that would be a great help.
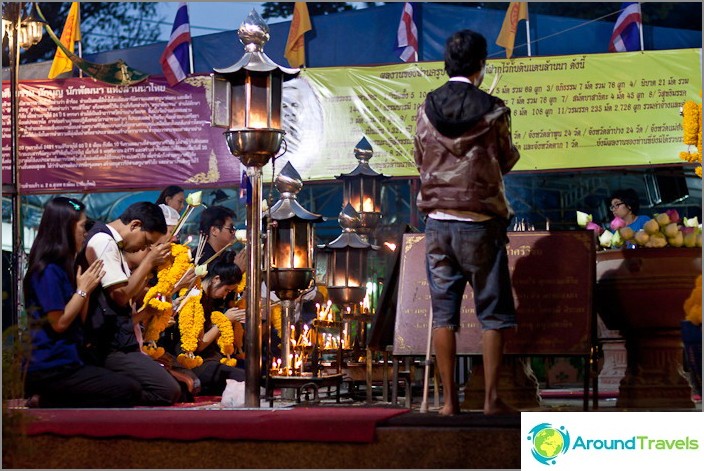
x: 56, y: 296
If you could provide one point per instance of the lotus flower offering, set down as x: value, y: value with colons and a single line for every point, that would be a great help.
x: 585, y: 220
x: 192, y: 200
x: 666, y: 229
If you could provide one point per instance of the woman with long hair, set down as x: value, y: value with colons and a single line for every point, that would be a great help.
x: 56, y: 294
x: 223, y: 277
x: 173, y: 196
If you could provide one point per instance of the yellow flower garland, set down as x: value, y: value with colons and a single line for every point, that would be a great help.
x: 155, y: 300
x: 226, y: 339
x: 242, y: 284
x: 692, y: 136
x: 190, y: 325
x: 693, y: 304
x: 158, y: 320
x: 238, y: 332
x: 169, y: 275
x: 276, y: 317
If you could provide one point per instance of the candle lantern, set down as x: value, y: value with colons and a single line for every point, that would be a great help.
x: 362, y: 190
x: 347, y: 272
x: 291, y: 254
x: 347, y: 261
x: 246, y: 100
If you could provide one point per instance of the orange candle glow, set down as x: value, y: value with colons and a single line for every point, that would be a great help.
x: 368, y: 206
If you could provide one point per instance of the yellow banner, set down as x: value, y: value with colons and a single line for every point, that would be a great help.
x: 568, y: 112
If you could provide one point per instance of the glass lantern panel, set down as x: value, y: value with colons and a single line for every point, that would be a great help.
x: 352, y: 193
x: 260, y: 106
x: 356, y: 267
x: 338, y: 267
x: 238, y: 107
x: 281, y: 246
x: 369, y: 195
x: 300, y: 251
x: 276, y: 98
x: 220, y: 99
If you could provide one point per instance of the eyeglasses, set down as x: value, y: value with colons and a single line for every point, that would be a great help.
x: 231, y: 229
x: 613, y: 207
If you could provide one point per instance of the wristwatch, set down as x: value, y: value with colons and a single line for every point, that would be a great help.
x: 81, y: 293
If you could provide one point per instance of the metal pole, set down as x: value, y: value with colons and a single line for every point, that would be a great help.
x: 15, y: 10
x: 287, y: 312
x: 253, y: 331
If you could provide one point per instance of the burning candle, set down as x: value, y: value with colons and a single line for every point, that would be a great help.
x: 368, y: 205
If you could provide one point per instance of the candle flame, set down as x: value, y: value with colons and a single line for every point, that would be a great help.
x: 368, y: 205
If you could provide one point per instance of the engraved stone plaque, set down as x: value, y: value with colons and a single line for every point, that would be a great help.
x: 552, y: 274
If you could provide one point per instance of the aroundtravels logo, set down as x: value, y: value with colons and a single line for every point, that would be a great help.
x: 548, y: 442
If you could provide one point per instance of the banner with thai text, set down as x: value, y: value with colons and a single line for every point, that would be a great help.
x: 568, y: 112
x: 77, y: 135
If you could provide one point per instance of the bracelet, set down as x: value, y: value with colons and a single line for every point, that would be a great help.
x: 81, y: 293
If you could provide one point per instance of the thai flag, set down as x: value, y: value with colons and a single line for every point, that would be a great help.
x: 407, y: 35
x: 627, y: 30
x: 175, y: 60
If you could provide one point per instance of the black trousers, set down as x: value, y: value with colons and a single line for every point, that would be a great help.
x: 83, y: 386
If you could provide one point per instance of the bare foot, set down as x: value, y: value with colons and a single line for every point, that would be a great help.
x: 449, y: 410
x: 499, y: 407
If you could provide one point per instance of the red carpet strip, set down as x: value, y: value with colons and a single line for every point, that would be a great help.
x: 311, y: 424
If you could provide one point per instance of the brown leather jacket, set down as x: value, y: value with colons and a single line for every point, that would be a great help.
x: 464, y: 171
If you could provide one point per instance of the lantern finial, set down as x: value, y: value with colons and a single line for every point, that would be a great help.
x: 349, y: 219
x: 253, y: 32
x: 363, y: 151
x: 289, y: 181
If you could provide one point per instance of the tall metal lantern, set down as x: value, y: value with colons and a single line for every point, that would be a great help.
x: 291, y: 254
x: 362, y: 190
x: 246, y: 100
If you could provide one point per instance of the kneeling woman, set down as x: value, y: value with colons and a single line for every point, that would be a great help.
x: 56, y: 293
x: 222, y: 278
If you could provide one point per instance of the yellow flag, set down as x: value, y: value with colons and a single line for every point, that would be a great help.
x: 70, y: 34
x: 295, y: 51
x: 516, y: 12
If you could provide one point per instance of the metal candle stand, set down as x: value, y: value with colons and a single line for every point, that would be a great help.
x: 246, y: 100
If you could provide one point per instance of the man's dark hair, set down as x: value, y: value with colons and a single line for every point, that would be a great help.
x: 464, y: 52
x: 150, y: 215
x: 214, y: 216
x: 628, y: 196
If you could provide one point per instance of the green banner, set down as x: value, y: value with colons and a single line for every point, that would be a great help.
x: 568, y: 112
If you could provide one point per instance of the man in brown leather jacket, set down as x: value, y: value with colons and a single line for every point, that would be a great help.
x: 463, y: 148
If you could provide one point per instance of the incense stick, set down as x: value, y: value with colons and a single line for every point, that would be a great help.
x: 216, y: 254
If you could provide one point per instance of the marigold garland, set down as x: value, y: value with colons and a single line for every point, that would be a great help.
x: 158, y: 320
x: 238, y: 332
x: 242, y: 284
x: 190, y: 325
x: 276, y: 317
x: 169, y: 275
x: 226, y: 339
x: 693, y: 304
x: 692, y: 134
x: 157, y: 299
